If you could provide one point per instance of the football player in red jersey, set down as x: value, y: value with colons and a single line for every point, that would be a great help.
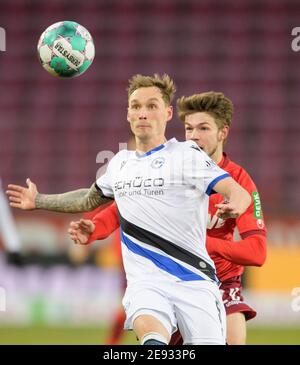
x: 207, y: 118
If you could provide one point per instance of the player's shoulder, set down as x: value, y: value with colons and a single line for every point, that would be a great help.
x: 189, y: 153
x: 123, y: 154
x: 121, y: 157
x: 185, y: 151
x: 188, y: 146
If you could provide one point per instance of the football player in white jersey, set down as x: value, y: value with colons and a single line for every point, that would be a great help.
x: 161, y: 191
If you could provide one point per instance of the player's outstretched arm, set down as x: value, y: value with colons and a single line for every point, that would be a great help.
x: 251, y: 251
x: 82, y: 200
x: 237, y: 198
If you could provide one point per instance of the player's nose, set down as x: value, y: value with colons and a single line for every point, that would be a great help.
x: 142, y: 116
x: 194, y: 136
x: 143, y: 113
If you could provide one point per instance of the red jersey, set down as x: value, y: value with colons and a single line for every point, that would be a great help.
x: 229, y: 256
x: 251, y: 250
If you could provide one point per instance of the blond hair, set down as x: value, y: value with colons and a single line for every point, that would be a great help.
x: 165, y: 84
x: 212, y: 103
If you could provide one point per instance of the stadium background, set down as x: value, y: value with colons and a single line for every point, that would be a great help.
x: 52, y: 131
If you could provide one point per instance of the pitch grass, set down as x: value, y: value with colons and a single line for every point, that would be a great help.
x: 94, y: 335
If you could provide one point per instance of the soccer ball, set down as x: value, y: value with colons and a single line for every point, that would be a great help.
x: 66, y: 49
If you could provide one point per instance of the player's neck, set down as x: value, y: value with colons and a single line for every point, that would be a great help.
x: 148, y: 145
x: 217, y: 155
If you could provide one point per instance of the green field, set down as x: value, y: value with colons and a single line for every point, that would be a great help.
x: 94, y: 335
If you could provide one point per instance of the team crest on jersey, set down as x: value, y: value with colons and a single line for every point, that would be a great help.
x: 158, y: 162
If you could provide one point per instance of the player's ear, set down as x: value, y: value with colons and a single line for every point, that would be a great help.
x: 224, y: 132
x: 128, y: 120
x: 169, y: 113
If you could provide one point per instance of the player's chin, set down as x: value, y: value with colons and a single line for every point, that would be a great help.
x: 142, y: 131
x: 141, y: 136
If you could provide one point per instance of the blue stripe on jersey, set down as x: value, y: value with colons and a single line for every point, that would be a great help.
x: 158, y: 148
x: 213, y: 183
x: 163, y: 262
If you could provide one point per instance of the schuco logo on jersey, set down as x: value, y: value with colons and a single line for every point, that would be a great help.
x: 139, y: 182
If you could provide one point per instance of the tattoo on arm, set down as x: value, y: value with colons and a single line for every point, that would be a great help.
x: 82, y: 200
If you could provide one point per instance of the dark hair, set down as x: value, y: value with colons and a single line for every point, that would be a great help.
x: 212, y: 103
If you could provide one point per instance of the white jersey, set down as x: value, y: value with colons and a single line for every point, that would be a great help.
x: 162, y: 199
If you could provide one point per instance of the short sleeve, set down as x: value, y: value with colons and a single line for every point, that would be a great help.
x: 200, y: 170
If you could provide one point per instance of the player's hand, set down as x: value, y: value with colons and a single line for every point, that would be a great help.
x: 226, y: 210
x: 81, y: 230
x: 22, y: 198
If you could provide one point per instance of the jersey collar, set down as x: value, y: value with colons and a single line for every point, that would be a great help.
x: 155, y: 149
x: 224, y: 162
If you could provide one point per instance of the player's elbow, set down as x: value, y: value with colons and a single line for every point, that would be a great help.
x: 261, y: 252
x: 259, y: 260
x: 262, y: 258
x: 89, y: 204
